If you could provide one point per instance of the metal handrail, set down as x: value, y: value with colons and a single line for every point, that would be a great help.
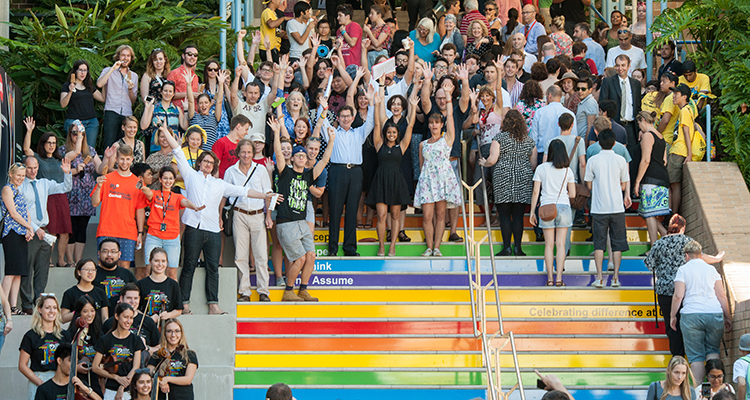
x: 468, y: 257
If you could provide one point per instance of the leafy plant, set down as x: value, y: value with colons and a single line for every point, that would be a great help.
x: 44, y: 49
x: 722, y: 51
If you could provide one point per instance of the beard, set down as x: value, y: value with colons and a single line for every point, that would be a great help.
x: 108, y: 265
x: 400, y: 69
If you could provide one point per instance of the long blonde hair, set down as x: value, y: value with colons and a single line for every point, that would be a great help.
x: 163, y: 352
x: 685, y: 387
x: 37, y: 324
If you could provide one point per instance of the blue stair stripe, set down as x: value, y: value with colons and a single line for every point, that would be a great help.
x: 432, y: 394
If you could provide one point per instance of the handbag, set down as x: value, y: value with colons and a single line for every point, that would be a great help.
x: 227, y: 213
x: 5, y: 214
x: 698, y: 143
x: 582, y: 191
x: 548, y: 212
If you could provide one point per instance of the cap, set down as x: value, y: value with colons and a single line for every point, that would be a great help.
x: 688, y: 66
x: 672, y: 77
x: 745, y: 342
x: 298, y: 149
x: 568, y: 75
x: 257, y: 137
x: 682, y: 89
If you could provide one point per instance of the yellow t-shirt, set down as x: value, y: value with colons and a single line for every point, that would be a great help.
x: 648, y: 104
x: 191, y: 157
x: 701, y: 83
x: 265, y: 30
x: 687, y: 118
x: 667, y: 106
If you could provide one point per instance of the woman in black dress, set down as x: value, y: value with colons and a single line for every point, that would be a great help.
x: 388, y: 188
x: 85, y: 307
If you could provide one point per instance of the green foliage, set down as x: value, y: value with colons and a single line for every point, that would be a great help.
x: 721, y: 28
x: 192, y: 6
x: 44, y: 49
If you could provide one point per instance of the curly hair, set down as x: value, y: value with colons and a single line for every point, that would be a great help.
x: 531, y: 92
x: 515, y: 125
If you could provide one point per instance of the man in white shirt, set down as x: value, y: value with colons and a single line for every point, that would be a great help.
x: 636, y: 55
x: 607, y: 177
x: 250, y: 220
x: 202, y: 227
x: 700, y: 291
x: 36, y: 192
x: 299, y: 30
x: 518, y: 40
x: 254, y: 107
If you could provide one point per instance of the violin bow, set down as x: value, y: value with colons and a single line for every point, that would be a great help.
x: 144, y: 317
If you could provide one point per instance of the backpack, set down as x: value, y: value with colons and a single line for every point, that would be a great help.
x: 580, y: 65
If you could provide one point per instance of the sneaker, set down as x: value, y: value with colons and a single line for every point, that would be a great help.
x: 427, y: 253
x: 281, y: 281
x: 580, y: 223
x: 455, y: 238
x: 598, y: 284
x: 244, y: 299
x: 540, y: 237
x: 437, y: 253
x: 290, y: 296
x: 264, y: 297
x: 304, y: 295
x: 615, y: 283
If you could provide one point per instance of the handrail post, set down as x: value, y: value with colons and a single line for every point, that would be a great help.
x: 223, y: 35
x: 492, y: 250
x: 468, y: 259
x: 708, y: 132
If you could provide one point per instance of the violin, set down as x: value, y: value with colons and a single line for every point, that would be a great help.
x: 73, y: 391
x: 164, y: 368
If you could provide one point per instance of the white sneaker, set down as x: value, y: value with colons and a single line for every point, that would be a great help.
x: 437, y: 253
x: 427, y: 253
x: 281, y: 281
x: 598, y: 284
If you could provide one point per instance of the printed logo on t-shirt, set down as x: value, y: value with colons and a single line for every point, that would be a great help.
x: 175, y: 367
x: 48, y: 348
x: 112, y: 286
x: 120, y: 352
x: 114, y: 192
x: 298, y: 194
x: 158, y: 304
x: 252, y: 107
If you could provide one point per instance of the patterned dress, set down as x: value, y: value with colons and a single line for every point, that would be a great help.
x: 10, y: 222
x: 222, y: 129
x: 666, y: 257
x: 512, y: 176
x: 528, y: 111
x: 563, y: 43
x: 79, y: 198
x: 437, y: 181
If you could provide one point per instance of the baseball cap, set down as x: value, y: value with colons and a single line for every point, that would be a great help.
x: 688, y: 66
x: 256, y: 137
x: 682, y: 89
x: 745, y: 342
x: 672, y: 77
x: 298, y: 149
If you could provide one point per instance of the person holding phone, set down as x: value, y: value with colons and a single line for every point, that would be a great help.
x: 78, y: 96
x: 120, y: 84
x: 677, y: 383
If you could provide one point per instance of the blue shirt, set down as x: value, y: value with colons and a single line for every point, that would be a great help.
x: 347, y: 147
x: 618, y: 148
x: 535, y: 30
x: 425, y: 52
x: 595, y: 52
x: 44, y: 188
x: 544, y: 126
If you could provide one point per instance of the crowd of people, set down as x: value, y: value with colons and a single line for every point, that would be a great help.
x: 555, y: 117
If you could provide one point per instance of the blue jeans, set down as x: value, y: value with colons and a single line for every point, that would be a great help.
x: 701, y: 334
x: 91, y: 126
x: 172, y: 246
x: 2, y: 336
x: 197, y: 240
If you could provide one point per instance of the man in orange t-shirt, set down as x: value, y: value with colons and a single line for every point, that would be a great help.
x: 123, y: 207
x: 189, y: 61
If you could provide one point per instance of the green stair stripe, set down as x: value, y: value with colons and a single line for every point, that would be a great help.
x: 415, y: 378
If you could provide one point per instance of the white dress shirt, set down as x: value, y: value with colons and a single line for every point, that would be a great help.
x: 259, y: 182
x: 45, y: 188
x: 628, y: 113
x: 204, y: 190
x: 347, y: 148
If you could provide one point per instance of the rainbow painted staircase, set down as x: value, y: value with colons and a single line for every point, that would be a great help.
x: 402, y: 327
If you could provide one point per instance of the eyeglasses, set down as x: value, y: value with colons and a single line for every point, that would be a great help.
x: 715, y: 377
x: 582, y: 89
x: 441, y: 67
x: 529, y: 12
x: 105, y: 252
x: 314, y: 139
x: 173, y: 331
x: 51, y: 142
x: 191, y: 54
x: 489, y: 9
x: 87, y: 270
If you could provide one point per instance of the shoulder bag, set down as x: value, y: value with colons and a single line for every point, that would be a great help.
x: 582, y: 191
x: 227, y: 213
x: 548, y: 212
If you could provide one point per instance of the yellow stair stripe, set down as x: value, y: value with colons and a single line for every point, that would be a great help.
x: 417, y: 235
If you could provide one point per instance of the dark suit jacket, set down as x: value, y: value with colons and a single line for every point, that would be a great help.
x: 611, y: 91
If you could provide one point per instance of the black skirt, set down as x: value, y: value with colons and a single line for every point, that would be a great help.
x: 16, y: 249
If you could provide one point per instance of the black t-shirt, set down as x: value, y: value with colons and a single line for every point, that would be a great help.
x: 293, y: 186
x: 81, y: 105
x: 74, y: 293
x: 51, y: 391
x: 178, y: 367
x: 458, y: 122
x: 525, y: 77
x: 149, y: 330
x: 328, y: 45
x: 87, y: 342
x: 165, y: 296
x: 42, y: 349
x: 123, y: 351
x: 112, y: 283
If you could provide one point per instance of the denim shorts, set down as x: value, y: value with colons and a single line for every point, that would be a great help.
x: 702, y: 334
x: 171, y: 246
x: 310, y: 216
x: 127, y: 247
x: 564, y: 218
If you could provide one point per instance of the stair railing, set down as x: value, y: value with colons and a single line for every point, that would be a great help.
x: 478, y: 291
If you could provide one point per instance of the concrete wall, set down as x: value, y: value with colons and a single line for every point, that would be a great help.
x: 715, y: 205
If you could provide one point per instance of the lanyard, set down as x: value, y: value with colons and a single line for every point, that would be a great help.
x: 165, y: 205
x: 526, y: 35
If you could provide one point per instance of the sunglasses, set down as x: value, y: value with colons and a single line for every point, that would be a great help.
x: 191, y: 54
x: 213, y: 69
x: 156, y: 50
x: 623, y: 31
x: 45, y: 295
x: 582, y: 89
x: 143, y: 371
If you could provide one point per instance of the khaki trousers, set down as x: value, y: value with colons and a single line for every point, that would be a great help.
x: 250, y: 230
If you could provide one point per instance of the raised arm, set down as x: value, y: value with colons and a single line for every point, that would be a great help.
x: 363, y: 62
x: 148, y: 113
x: 310, y: 63
x: 66, y: 96
x: 326, y: 156
x: 30, y: 125
x: 190, y: 95
x: 234, y: 101
x: 75, y: 151
x: 450, y: 129
x: 463, y: 75
x: 413, y: 104
x: 338, y: 63
x: 277, y: 68
x: 410, y: 65
x: 377, y: 137
x: 275, y: 126
x: 104, y: 78
x: 500, y: 108
x: 222, y: 79
x: 352, y: 91
x: 427, y: 89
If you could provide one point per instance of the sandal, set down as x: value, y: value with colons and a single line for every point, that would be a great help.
x: 550, y: 283
x: 17, y: 311
x: 368, y: 226
x: 251, y: 269
x: 559, y: 284
x: 402, y: 237
x: 360, y: 226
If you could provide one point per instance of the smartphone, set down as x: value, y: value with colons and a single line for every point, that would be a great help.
x: 706, y: 390
x: 81, y: 128
x: 149, y: 99
x: 274, y: 199
x: 540, y: 384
